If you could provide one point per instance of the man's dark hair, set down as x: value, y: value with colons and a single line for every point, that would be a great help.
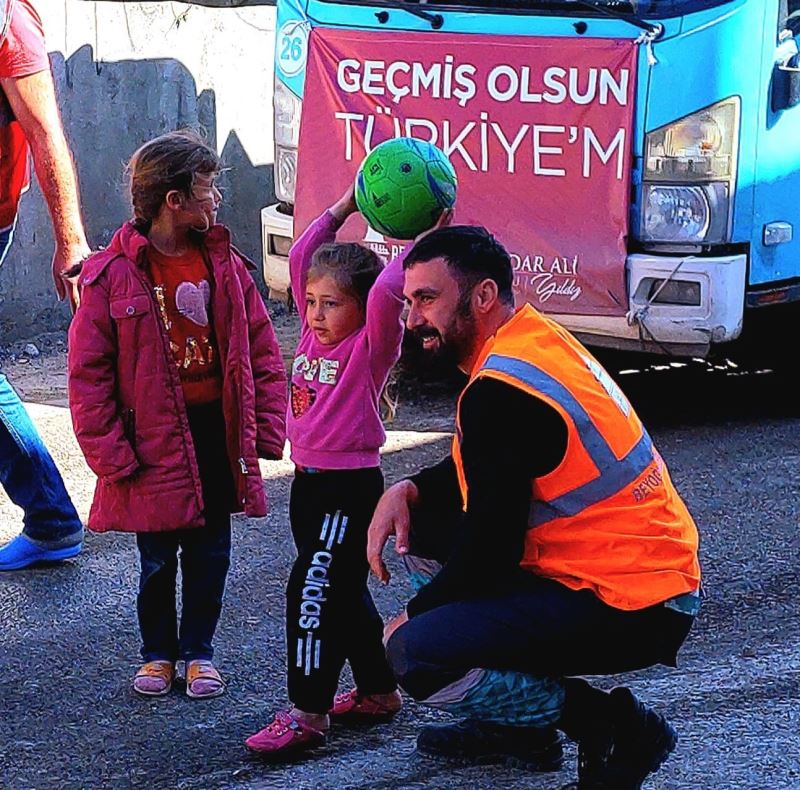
x: 472, y: 254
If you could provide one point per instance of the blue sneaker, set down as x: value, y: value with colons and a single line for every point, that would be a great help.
x: 21, y: 552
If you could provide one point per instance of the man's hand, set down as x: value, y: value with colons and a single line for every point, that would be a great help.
x: 445, y: 219
x: 392, y: 517
x: 63, y: 260
x: 393, y: 625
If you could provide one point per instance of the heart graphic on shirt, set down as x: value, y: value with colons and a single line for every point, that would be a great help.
x: 192, y: 301
x: 302, y: 400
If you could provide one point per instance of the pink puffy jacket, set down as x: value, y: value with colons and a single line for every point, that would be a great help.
x: 125, y: 393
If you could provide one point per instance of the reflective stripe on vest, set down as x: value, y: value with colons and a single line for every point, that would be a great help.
x: 615, y: 473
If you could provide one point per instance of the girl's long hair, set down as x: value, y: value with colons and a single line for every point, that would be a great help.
x: 353, y: 267
x: 170, y: 161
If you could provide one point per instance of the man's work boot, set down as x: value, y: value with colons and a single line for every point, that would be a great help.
x: 622, y: 755
x: 481, y: 743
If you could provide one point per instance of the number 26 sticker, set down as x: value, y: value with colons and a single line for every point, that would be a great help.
x: 292, y: 43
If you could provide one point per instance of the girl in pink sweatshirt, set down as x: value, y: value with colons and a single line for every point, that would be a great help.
x: 350, y: 339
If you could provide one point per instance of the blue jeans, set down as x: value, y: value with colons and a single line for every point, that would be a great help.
x: 5, y: 241
x: 27, y: 471
x: 523, y: 637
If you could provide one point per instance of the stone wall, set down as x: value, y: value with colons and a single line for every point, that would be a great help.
x: 126, y: 72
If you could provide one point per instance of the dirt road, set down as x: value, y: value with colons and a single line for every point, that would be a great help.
x: 68, y: 636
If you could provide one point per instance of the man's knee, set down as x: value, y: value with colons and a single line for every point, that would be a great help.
x: 416, y: 674
x: 504, y: 697
x: 397, y: 655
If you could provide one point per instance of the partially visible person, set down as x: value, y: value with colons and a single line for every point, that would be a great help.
x: 350, y: 339
x: 549, y: 545
x: 177, y: 387
x: 29, y: 119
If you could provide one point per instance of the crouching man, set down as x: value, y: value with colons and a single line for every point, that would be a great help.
x: 550, y: 544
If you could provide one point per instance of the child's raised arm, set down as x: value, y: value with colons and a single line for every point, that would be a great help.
x: 385, y: 306
x: 321, y: 231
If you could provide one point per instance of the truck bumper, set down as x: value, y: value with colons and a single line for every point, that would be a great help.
x: 701, y: 304
x: 277, y: 232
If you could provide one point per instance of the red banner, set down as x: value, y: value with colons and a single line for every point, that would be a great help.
x: 538, y: 130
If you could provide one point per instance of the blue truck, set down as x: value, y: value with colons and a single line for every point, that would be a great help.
x: 711, y: 256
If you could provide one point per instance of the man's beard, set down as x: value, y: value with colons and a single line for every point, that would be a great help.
x: 455, y: 345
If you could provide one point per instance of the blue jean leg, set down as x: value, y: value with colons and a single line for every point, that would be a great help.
x: 205, y: 555
x: 31, y: 479
x: 27, y: 471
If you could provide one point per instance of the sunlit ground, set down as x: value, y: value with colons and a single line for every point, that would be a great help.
x: 54, y: 424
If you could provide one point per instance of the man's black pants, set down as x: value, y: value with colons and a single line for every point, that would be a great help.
x: 531, y: 625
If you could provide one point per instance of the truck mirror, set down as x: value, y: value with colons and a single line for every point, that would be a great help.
x: 785, y: 90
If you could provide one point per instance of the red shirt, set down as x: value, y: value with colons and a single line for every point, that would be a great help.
x: 22, y: 53
x: 182, y: 287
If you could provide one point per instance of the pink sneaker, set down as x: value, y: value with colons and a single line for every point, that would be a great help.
x: 356, y: 708
x: 284, y: 737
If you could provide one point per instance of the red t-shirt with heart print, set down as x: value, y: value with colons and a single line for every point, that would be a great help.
x: 182, y: 286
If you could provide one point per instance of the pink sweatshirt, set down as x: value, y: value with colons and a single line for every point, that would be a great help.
x: 333, y: 420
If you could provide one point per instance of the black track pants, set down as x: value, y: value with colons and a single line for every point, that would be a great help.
x: 330, y: 615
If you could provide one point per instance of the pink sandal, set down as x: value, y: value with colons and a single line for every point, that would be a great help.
x: 202, y: 680
x: 154, y: 678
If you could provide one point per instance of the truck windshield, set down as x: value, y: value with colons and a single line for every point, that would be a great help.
x: 647, y: 9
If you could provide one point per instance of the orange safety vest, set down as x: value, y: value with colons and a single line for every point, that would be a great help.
x: 608, y: 519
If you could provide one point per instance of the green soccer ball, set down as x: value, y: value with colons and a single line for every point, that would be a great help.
x: 403, y: 185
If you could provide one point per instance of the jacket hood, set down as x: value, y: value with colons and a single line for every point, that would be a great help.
x: 129, y: 242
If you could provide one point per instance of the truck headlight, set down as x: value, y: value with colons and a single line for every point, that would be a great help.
x: 287, y: 115
x: 690, y: 175
x: 685, y: 213
x: 286, y: 172
x: 287, y: 132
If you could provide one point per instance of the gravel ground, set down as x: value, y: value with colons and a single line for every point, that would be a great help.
x: 68, y: 636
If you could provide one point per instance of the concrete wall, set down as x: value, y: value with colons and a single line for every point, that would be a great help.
x: 126, y: 72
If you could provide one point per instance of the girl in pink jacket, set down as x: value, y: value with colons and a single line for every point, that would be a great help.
x: 176, y: 387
